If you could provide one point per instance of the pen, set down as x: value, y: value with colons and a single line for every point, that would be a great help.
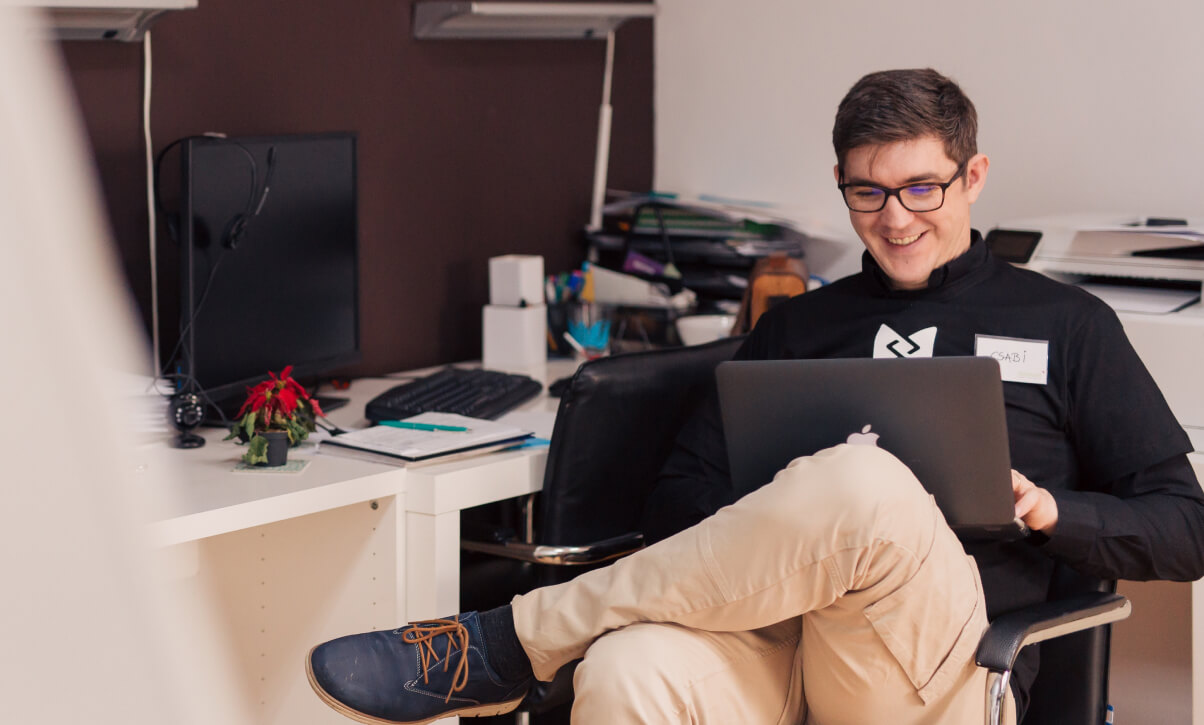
x: 573, y: 341
x: 424, y: 426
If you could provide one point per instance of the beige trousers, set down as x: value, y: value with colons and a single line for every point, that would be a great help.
x: 834, y: 595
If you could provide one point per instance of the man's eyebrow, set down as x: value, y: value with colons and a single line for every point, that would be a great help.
x: 913, y: 180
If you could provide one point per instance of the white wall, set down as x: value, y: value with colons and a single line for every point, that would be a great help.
x: 1083, y: 105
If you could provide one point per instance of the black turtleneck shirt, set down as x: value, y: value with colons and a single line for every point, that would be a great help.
x: 1098, y: 434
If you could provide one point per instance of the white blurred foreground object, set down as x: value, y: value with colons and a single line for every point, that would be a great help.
x: 89, y: 631
x: 697, y: 329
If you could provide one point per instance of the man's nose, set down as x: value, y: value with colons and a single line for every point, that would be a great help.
x: 894, y: 213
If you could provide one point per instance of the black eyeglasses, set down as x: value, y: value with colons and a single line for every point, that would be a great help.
x: 925, y: 196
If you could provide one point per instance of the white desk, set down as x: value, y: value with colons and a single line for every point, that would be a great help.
x: 343, y: 546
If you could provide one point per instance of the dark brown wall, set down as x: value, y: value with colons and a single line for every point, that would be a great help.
x: 467, y: 149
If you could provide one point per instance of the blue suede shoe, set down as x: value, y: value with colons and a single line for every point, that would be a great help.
x: 415, y: 674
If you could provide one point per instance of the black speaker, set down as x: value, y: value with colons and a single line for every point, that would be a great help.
x: 185, y: 412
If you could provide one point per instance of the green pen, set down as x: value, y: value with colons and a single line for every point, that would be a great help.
x: 424, y: 426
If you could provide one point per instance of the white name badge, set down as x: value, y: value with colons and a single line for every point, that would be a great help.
x: 1020, y: 361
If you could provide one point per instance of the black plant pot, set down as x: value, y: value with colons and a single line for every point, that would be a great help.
x: 277, y: 447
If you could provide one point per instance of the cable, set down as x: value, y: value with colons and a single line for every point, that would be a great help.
x: 196, y: 312
x: 152, y: 217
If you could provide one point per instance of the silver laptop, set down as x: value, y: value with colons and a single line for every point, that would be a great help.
x: 942, y: 417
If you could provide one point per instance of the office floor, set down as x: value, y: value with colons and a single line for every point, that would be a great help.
x: 1151, y: 656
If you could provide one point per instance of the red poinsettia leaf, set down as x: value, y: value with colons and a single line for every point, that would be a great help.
x: 286, y: 401
x: 286, y: 373
x: 317, y: 409
x: 296, y: 388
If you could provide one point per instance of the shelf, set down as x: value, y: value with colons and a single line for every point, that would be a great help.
x: 502, y: 20
x: 125, y: 20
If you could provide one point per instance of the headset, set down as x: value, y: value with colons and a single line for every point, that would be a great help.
x: 257, y: 195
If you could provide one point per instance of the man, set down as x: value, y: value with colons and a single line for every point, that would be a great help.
x: 836, y: 593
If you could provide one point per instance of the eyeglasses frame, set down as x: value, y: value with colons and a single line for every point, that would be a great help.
x: 896, y: 192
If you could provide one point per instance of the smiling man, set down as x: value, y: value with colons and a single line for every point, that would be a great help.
x: 836, y: 593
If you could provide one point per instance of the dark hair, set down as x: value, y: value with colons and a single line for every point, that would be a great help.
x: 902, y: 105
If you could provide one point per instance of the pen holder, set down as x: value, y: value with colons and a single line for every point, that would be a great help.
x: 587, y: 323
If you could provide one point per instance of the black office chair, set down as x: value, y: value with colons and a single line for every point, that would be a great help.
x: 1072, y: 686
x: 614, y: 429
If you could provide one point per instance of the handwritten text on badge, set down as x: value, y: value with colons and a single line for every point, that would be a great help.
x: 1020, y: 361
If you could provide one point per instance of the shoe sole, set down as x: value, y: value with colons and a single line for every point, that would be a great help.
x: 486, y: 710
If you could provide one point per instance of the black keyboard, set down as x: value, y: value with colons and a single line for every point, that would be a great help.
x: 467, y: 391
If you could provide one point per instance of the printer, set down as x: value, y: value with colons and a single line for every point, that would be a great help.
x: 1150, y: 270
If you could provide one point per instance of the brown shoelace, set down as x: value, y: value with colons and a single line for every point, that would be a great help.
x: 423, y: 634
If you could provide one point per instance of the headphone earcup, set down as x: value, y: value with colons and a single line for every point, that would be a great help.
x: 234, y: 231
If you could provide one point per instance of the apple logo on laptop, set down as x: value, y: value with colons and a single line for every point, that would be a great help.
x: 864, y: 438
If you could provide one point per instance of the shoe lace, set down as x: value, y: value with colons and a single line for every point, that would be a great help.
x: 423, y: 635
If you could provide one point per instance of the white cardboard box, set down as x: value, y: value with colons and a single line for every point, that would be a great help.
x: 516, y: 280
x: 514, y: 337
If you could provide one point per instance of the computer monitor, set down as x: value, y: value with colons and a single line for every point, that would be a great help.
x: 269, y: 268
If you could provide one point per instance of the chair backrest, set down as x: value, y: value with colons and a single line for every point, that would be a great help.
x: 614, y: 429
x: 1072, y: 685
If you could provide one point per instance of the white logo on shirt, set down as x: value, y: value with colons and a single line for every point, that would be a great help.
x: 889, y: 344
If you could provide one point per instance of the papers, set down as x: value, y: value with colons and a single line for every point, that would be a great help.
x: 399, y: 446
x: 143, y: 400
x: 732, y: 211
x: 1127, y: 242
x: 1150, y: 300
x: 539, y: 422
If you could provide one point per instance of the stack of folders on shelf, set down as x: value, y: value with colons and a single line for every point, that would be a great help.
x: 709, y: 245
x: 429, y: 437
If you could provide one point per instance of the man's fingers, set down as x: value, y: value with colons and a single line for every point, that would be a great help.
x: 1026, y: 501
x: 1020, y: 484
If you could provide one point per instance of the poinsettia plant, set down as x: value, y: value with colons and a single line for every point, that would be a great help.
x: 277, y: 404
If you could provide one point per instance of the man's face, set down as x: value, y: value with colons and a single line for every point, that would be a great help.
x: 909, y: 245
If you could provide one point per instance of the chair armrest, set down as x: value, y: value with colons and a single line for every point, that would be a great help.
x: 1009, y: 633
x: 593, y: 553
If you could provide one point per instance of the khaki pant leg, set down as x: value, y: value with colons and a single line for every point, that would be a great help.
x: 661, y: 674
x: 849, y: 523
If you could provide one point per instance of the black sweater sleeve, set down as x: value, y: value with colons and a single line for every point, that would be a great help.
x: 1147, y: 525
x: 1137, y: 511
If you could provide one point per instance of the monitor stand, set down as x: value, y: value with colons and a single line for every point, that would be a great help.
x: 331, y: 402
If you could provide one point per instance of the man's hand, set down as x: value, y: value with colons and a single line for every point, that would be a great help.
x: 1034, y: 505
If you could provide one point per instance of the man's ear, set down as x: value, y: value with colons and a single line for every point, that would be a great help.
x: 836, y: 172
x: 976, y: 175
